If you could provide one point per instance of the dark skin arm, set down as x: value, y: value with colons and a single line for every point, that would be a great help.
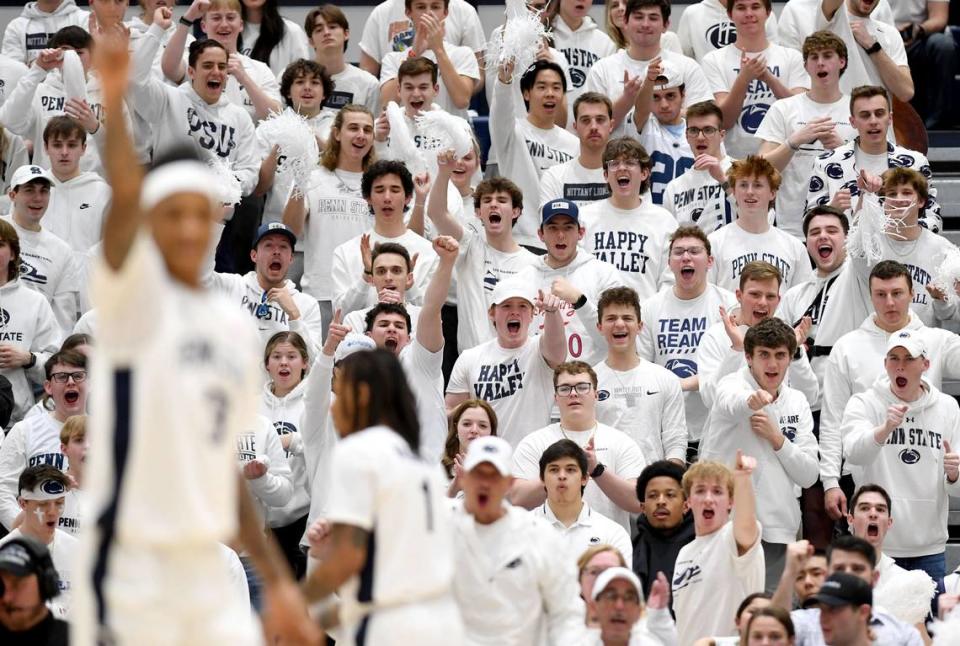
x: 344, y: 555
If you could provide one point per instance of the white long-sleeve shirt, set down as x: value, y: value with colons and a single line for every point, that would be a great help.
x: 27, y: 34
x: 47, y: 265
x: 286, y: 413
x: 318, y: 435
x: 32, y: 441
x: 275, y: 487
x: 909, y: 464
x: 779, y: 473
x: 76, y: 210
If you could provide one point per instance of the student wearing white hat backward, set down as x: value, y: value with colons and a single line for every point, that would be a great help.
x: 514, y: 584
x: 901, y: 434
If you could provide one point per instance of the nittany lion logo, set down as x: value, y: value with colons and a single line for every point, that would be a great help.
x: 682, y: 367
x: 752, y: 115
x: 790, y: 432
x: 4, y: 317
x: 721, y: 34
x: 848, y: 154
x: 834, y: 171
x: 577, y: 77
x: 603, y: 395
x: 816, y: 184
x: 905, y: 161
x: 284, y: 428
x: 695, y: 215
x: 909, y: 456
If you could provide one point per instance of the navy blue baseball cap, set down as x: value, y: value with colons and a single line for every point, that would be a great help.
x: 273, y: 227
x: 559, y: 207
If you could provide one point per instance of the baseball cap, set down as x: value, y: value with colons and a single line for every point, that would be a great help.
x: 669, y: 78
x: 842, y: 589
x: 273, y: 227
x: 511, y: 288
x: 612, y: 573
x: 16, y: 559
x: 559, y: 207
x: 353, y: 342
x: 910, y: 340
x: 492, y: 449
x: 28, y: 173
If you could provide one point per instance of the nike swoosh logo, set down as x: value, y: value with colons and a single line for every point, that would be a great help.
x: 653, y: 392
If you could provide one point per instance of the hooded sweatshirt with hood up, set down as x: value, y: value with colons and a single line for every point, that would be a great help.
x: 590, y: 276
x: 222, y: 131
x: 27, y: 34
x: 855, y: 363
x: 909, y: 464
x: 76, y: 210
x: 285, y: 414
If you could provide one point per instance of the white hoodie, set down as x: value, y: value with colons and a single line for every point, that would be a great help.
x: 779, y: 474
x: 76, y: 210
x: 318, y: 435
x: 246, y: 291
x: 285, y: 413
x: 294, y: 45
x: 223, y: 130
x: 909, y: 464
x: 275, y: 487
x: 26, y: 321
x: 582, y: 48
x: 29, y: 32
x: 591, y: 277
x: 47, y: 265
x: 855, y: 362
x: 32, y: 441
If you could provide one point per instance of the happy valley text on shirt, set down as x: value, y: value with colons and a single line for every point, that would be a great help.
x: 738, y: 263
x: 498, y: 380
x: 680, y: 336
x: 622, y: 249
x: 542, y: 153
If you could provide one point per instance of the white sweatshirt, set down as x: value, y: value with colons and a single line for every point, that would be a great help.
x: 706, y: 26
x: 512, y: 585
x: 275, y: 487
x: 293, y: 45
x: 854, y: 365
x: 733, y: 247
x: 909, y: 464
x: 247, y: 293
x: 318, y: 435
x: 32, y: 441
x: 523, y: 153
x: 76, y: 210
x: 27, y: 322
x: 582, y: 48
x: 47, y: 265
x: 779, y: 474
x: 286, y: 413
x: 11, y: 71
x: 798, y: 20
x: 29, y: 32
x: 591, y: 277
x: 223, y: 130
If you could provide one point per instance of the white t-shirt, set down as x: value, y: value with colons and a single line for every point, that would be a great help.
x: 383, y: 487
x: 785, y: 117
x: 293, y: 46
x: 606, y: 76
x: 697, y: 198
x: 645, y: 403
x: 589, y: 529
x: 634, y: 241
x: 798, y: 20
x: 516, y: 382
x: 463, y: 59
x: 353, y: 85
x: 913, y: 11
x: 710, y: 564
x: 671, y: 333
x: 479, y: 268
x: 722, y: 67
x: 387, y: 28
x: 424, y: 370
x: 733, y: 247
x: 571, y: 181
x: 336, y: 212
x: 706, y: 26
x: 63, y: 551
x: 615, y: 449
x: 861, y: 70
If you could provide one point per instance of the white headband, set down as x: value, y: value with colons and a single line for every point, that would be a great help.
x: 45, y: 490
x: 185, y: 176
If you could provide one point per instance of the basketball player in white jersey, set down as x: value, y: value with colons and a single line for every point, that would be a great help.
x: 390, y: 549
x: 179, y: 381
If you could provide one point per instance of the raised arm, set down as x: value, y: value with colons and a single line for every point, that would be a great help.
x: 553, y: 341
x: 295, y: 213
x: 263, y: 102
x: 171, y: 63
x: 124, y: 216
x: 442, y: 219
x: 644, y: 98
x: 745, y: 530
x: 429, y: 324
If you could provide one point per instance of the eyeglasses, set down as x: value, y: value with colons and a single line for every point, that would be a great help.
x: 629, y: 164
x: 566, y: 390
x: 612, y: 596
x: 63, y: 377
x: 678, y: 252
x: 708, y: 131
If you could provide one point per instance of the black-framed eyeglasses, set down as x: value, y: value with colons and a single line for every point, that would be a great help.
x: 708, y: 131
x: 581, y: 388
x: 63, y: 377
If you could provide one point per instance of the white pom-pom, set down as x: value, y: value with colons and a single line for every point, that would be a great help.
x: 297, y: 143
x: 868, y: 230
x: 401, y: 139
x: 74, y: 78
x: 947, y: 632
x: 947, y: 275
x: 906, y: 595
x: 520, y: 40
x: 229, y: 187
x: 448, y: 130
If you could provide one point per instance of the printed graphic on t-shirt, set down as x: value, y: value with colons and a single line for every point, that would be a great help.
x: 400, y: 34
x: 721, y: 34
x: 246, y: 447
x: 30, y: 268
x: 218, y: 138
x: 680, y: 336
x: 338, y: 99
x: 37, y: 41
x: 546, y: 156
x: 758, y: 100
x: 498, y: 380
x: 53, y: 459
x: 284, y: 428
x: 622, y: 249
x: 580, y: 61
x: 738, y: 263
x: 685, y: 574
x: 912, y: 438
x: 589, y: 192
x: 665, y: 168
x: 699, y: 196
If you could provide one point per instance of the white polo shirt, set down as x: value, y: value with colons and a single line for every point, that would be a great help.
x: 589, y: 529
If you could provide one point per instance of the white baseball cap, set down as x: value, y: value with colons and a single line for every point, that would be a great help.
x: 353, y: 342
x: 512, y: 288
x: 492, y: 449
x: 612, y: 573
x: 909, y: 340
x: 28, y: 173
x: 670, y: 77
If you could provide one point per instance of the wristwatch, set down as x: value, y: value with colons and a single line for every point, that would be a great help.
x: 597, y: 470
x: 873, y: 49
